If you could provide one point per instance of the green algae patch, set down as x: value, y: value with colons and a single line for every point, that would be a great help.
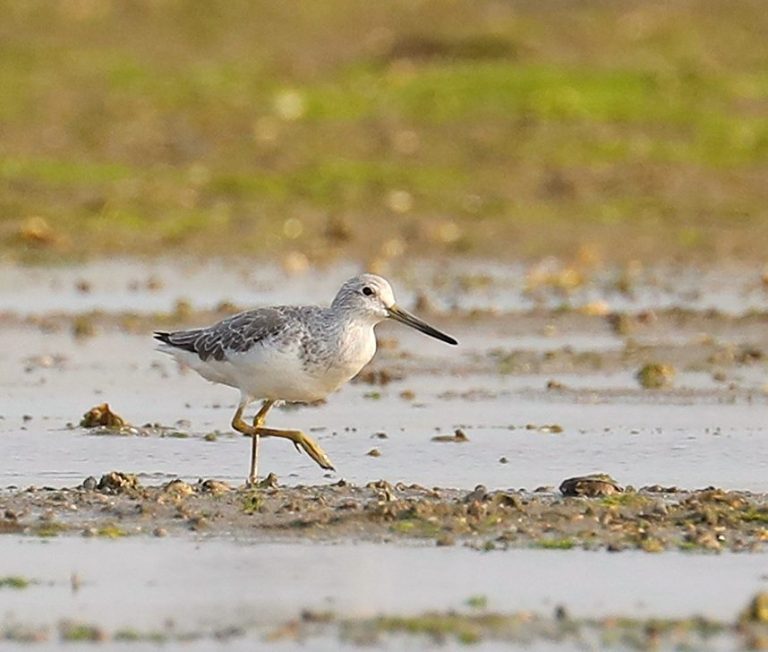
x: 111, y: 531
x: 73, y: 632
x: 555, y: 544
x: 416, y: 527
x: 14, y: 582
x: 755, y: 516
x: 252, y: 502
x: 439, y: 627
x: 477, y: 601
x: 626, y: 499
x: 48, y: 529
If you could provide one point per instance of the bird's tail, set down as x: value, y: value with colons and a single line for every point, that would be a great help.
x: 178, y: 340
x: 164, y: 337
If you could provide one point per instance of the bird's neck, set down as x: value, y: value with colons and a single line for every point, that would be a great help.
x: 358, y: 341
x: 352, y: 317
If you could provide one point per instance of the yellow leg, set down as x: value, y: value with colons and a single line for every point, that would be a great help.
x: 261, y: 415
x: 258, y: 421
x: 257, y: 430
x: 241, y: 426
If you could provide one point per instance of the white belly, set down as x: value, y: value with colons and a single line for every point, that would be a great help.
x: 266, y: 372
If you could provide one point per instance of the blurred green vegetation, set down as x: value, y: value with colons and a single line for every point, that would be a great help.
x: 375, y: 130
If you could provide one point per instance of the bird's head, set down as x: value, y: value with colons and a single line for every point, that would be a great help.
x: 371, y: 296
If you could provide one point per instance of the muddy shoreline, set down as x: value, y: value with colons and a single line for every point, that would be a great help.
x: 652, y: 519
x: 658, y: 379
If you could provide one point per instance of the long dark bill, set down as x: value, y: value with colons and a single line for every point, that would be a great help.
x: 405, y: 317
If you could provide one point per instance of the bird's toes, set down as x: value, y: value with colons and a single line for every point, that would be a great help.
x: 322, y: 460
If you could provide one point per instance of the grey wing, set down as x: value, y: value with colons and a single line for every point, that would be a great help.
x: 235, y: 334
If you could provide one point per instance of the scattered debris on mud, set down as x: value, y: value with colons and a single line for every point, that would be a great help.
x: 524, y: 628
x: 458, y: 437
x: 655, y: 375
x: 101, y: 420
x: 102, y: 416
x: 652, y: 519
x: 596, y: 484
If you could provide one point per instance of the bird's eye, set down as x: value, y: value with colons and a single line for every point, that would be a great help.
x: 367, y: 291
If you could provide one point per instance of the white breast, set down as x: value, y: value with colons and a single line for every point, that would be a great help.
x: 355, y: 351
x: 280, y: 373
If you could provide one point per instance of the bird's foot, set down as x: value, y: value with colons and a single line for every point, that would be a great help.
x: 312, y: 449
x: 301, y: 441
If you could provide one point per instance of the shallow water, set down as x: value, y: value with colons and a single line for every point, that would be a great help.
x: 699, y: 434
x: 209, y: 585
x: 690, y: 439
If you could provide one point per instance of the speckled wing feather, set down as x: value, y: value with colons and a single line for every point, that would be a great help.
x: 235, y: 334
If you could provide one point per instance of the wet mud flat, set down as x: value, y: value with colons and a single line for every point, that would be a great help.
x: 661, y: 384
x: 652, y: 519
x: 197, y: 592
x: 480, y: 628
x: 654, y: 378
x: 359, y: 566
x: 528, y: 631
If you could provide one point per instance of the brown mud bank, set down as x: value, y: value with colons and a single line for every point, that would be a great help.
x: 651, y: 519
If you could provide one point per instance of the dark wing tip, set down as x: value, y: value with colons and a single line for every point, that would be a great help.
x: 188, y: 341
x: 163, y: 337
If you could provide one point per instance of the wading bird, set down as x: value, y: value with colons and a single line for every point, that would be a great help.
x: 292, y: 353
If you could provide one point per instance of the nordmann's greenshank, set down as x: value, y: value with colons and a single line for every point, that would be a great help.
x: 292, y: 353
